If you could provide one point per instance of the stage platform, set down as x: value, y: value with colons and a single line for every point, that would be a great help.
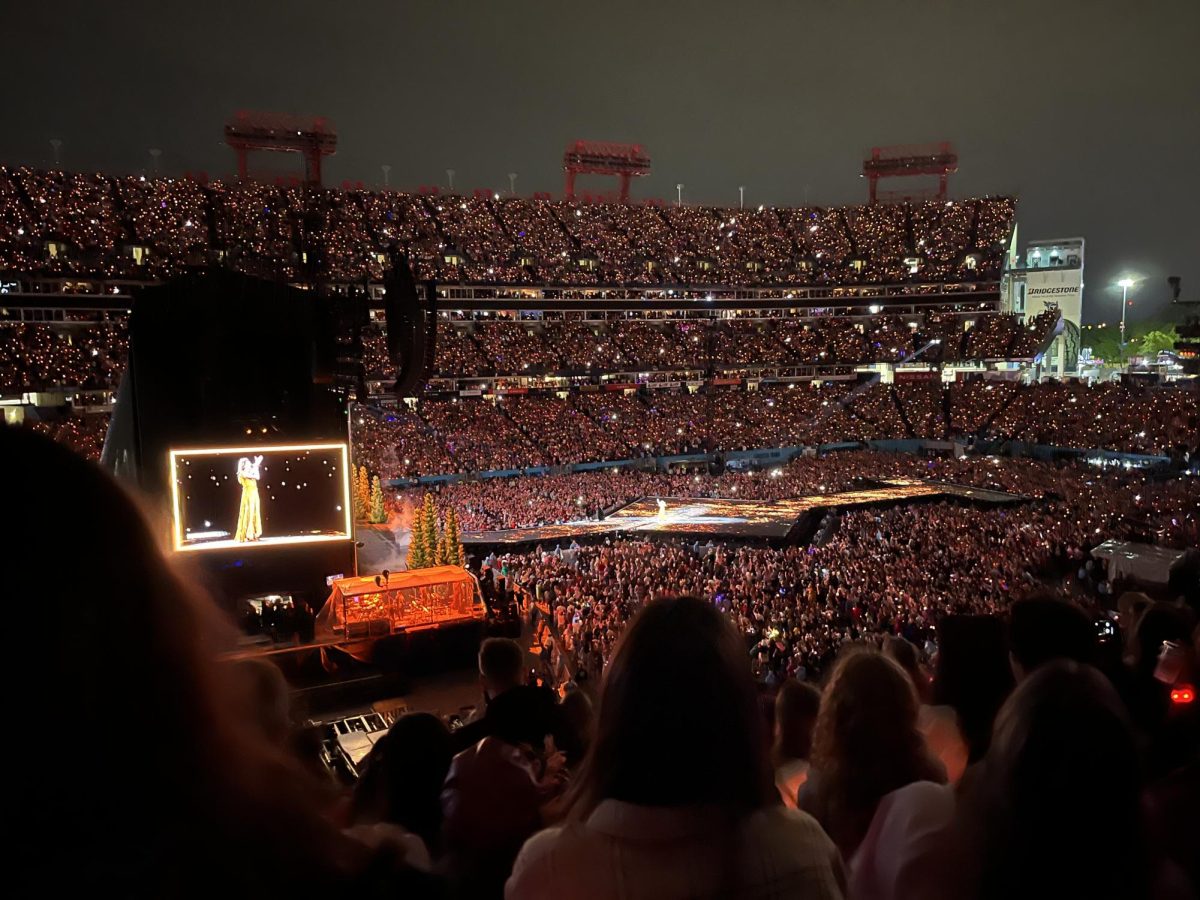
x: 729, y: 518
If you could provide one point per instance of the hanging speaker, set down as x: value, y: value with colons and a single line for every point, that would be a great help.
x: 411, y: 312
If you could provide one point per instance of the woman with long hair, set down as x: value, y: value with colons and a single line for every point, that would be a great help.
x: 146, y: 779
x: 402, y: 781
x: 676, y: 796
x: 1056, y: 811
x: 249, y: 523
x: 866, y: 744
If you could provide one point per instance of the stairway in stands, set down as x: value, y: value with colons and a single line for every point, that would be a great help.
x: 908, y: 427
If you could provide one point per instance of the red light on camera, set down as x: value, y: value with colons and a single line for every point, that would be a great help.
x: 1184, y: 694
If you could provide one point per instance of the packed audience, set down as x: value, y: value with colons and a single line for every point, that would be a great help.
x: 92, y: 353
x: 898, y: 571
x: 1111, y: 498
x: 929, y: 701
x: 41, y: 357
x: 566, y: 434
x: 904, y: 709
x: 461, y: 435
x: 603, y: 426
x: 90, y: 224
x: 84, y: 434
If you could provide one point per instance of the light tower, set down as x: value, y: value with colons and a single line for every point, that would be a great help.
x: 1124, y: 284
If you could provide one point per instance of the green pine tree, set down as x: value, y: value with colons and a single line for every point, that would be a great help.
x: 416, y: 556
x: 442, y: 550
x: 429, y: 529
x: 455, y: 555
x: 362, y: 491
x: 378, y: 511
x: 356, y: 510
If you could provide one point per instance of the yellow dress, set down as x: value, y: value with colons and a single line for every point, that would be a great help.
x: 249, y: 526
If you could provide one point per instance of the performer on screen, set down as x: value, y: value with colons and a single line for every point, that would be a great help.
x: 662, y: 508
x: 249, y: 525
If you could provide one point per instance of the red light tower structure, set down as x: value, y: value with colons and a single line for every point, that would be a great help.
x: 313, y: 137
x: 908, y: 160
x: 602, y: 158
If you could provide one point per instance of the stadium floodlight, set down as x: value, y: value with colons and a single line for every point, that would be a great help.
x: 1124, y: 284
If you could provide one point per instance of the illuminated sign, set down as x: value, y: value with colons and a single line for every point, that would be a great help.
x: 245, y: 497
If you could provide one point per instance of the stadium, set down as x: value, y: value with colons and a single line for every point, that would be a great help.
x: 530, y: 419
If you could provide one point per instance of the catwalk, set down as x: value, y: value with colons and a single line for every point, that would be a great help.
x: 732, y: 518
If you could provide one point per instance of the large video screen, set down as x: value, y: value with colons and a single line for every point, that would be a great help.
x: 242, y: 497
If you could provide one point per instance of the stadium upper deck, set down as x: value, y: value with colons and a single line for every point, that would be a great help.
x: 61, y: 225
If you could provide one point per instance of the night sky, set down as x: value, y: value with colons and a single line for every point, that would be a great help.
x: 1086, y: 109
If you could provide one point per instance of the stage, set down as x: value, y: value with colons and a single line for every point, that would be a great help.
x: 730, y: 518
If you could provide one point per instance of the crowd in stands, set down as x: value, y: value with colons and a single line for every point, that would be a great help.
x: 553, y: 346
x: 89, y: 224
x: 463, y: 435
x: 92, y: 354
x: 40, y: 357
x: 1110, y: 415
x: 84, y: 434
x: 903, y: 712
x: 565, y: 434
x: 536, y: 430
x: 399, y: 441
x: 480, y: 436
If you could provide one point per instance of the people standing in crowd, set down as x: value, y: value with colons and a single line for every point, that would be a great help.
x: 796, y: 707
x: 1057, y: 808
x: 506, y: 776
x: 502, y: 681
x: 401, y: 783
x: 939, y: 724
x: 972, y: 675
x: 1043, y: 629
x: 676, y: 797
x: 866, y: 744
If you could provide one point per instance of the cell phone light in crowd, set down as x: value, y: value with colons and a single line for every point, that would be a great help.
x: 1184, y: 693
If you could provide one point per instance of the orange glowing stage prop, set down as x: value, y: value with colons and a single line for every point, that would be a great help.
x: 370, y: 606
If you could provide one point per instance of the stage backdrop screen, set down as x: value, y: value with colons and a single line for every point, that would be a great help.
x: 243, y: 497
